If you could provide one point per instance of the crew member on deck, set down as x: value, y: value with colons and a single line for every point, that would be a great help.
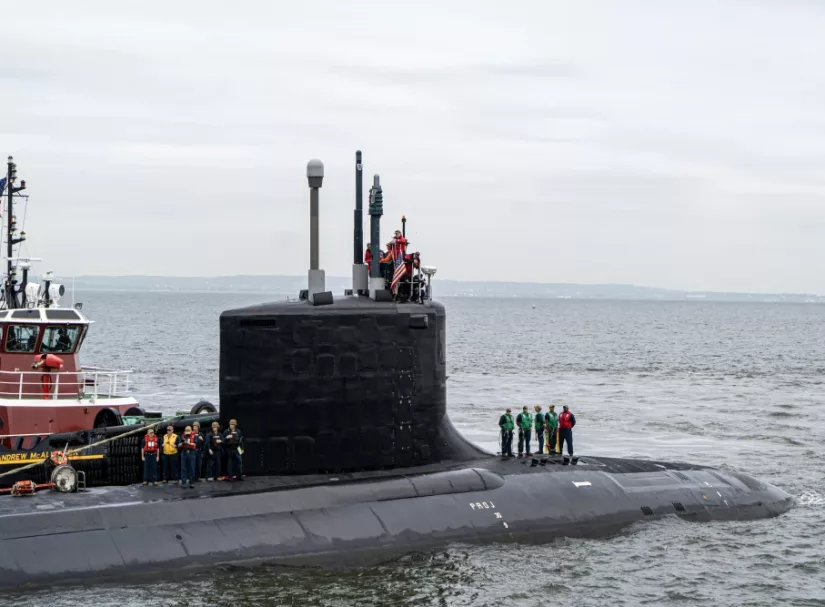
x: 505, y: 422
x: 170, y: 458
x: 539, y: 417
x: 199, y: 444
x: 368, y: 259
x: 233, y: 443
x: 214, y: 451
x: 524, y: 421
x: 64, y: 344
x: 566, y: 422
x: 552, y: 422
x: 149, y: 455
x: 49, y: 363
x: 187, y: 443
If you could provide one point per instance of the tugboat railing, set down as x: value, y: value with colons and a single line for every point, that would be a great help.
x: 88, y: 383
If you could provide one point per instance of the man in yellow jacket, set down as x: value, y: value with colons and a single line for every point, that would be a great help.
x: 169, y: 456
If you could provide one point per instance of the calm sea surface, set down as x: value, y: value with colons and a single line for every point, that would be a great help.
x: 732, y: 385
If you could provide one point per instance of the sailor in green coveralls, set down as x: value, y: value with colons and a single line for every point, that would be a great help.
x: 539, y: 425
x: 505, y: 422
x: 524, y: 421
x: 551, y: 422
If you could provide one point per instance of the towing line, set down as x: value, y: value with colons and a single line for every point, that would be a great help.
x: 98, y: 443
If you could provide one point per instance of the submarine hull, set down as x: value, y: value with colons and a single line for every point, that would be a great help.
x: 154, y: 531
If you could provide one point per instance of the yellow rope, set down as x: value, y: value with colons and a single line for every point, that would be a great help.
x: 102, y: 442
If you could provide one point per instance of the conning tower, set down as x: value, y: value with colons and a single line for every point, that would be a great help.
x: 326, y: 384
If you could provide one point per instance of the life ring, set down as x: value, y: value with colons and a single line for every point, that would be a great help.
x: 58, y: 458
x: 48, y: 360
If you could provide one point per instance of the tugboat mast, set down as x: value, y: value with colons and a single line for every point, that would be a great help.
x: 11, y: 228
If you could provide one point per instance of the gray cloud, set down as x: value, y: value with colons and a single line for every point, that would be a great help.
x: 678, y: 145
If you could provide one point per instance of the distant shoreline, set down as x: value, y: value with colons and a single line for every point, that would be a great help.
x: 290, y: 286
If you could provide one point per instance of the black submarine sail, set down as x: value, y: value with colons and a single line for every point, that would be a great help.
x: 350, y: 453
x: 340, y: 384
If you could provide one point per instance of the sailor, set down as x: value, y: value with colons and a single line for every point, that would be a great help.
x: 199, y: 444
x: 233, y: 442
x: 49, y: 363
x: 13, y: 341
x: 551, y: 422
x: 396, y: 249
x: 566, y: 422
x: 187, y: 443
x: 169, y: 456
x: 368, y: 258
x: 524, y: 421
x: 214, y: 449
x: 539, y: 425
x: 505, y: 422
x: 400, y: 244
x: 64, y: 344
x: 149, y: 455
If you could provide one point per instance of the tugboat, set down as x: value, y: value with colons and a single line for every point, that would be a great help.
x: 46, y: 396
x: 349, y: 452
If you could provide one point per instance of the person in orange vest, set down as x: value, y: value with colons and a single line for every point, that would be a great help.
x: 187, y: 443
x: 149, y: 455
x: 566, y: 422
x: 49, y: 363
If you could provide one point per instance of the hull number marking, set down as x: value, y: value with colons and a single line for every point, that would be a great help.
x: 489, y: 506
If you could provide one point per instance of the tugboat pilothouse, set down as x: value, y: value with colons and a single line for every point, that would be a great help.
x: 44, y: 389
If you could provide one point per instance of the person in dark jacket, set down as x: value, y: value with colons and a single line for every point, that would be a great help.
x: 566, y: 422
x: 213, y: 451
x: 233, y: 443
x: 506, y: 423
x: 200, y: 443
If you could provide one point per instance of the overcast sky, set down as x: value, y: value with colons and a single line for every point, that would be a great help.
x: 671, y: 144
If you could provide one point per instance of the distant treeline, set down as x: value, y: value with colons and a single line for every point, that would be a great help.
x: 291, y: 285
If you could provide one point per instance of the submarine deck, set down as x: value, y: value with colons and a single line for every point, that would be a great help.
x: 44, y: 500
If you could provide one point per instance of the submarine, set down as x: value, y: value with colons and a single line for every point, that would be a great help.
x: 349, y: 453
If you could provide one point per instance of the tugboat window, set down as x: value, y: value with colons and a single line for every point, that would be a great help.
x: 22, y: 339
x: 60, y: 339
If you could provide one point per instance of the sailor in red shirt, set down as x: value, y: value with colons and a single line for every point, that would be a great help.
x: 566, y: 422
x: 368, y: 259
x: 149, y: 455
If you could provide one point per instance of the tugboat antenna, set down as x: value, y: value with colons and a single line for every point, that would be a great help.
x: 11, y: 228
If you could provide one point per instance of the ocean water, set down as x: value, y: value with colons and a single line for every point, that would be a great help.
x: 733, y: 385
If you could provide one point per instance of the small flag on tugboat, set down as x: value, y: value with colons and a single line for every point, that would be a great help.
x: 2, y: 184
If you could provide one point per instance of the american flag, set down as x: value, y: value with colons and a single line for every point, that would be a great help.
x: 400, y: 272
